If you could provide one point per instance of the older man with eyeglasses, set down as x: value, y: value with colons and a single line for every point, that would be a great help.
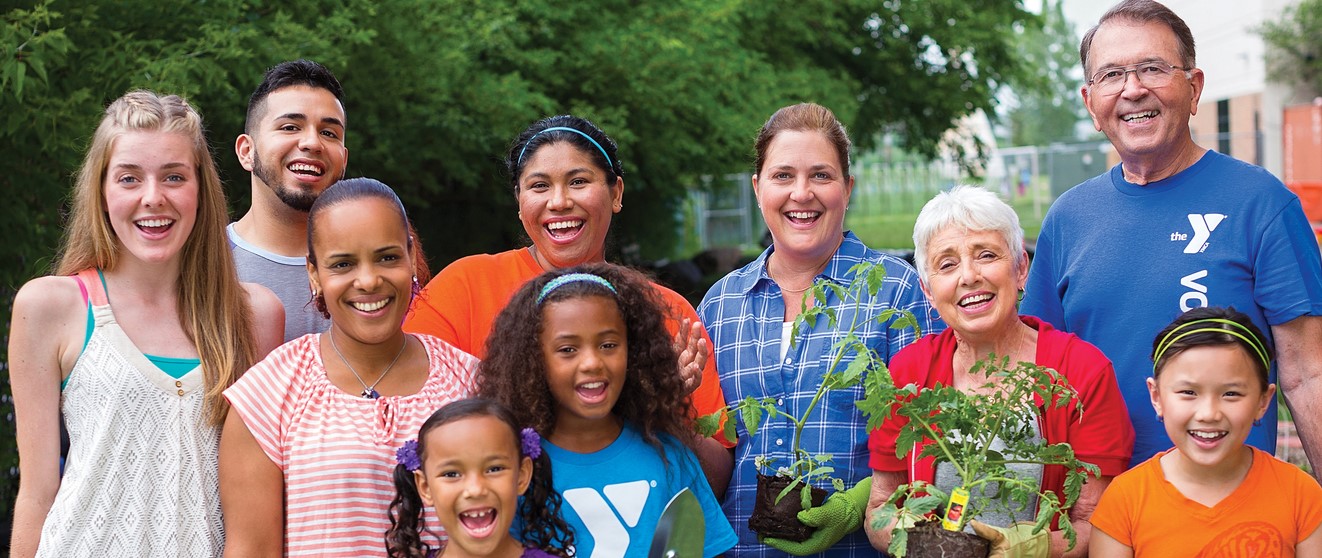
x: 1172, y: 227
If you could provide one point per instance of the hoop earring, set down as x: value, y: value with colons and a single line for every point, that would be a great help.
x: 1161, y: 420
x: 1257, y: 422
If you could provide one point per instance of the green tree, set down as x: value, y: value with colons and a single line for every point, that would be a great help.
x: 435, y: 90
x: 61, y: 63
x: 909, y: 69
x: 1294, y: 55
x: 1048, y: 108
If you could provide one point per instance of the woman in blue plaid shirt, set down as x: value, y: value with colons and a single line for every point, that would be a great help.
x: 802, y: 184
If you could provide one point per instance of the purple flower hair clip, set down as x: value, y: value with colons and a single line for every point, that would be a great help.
x: 532, y: 443
x: 407, y: 455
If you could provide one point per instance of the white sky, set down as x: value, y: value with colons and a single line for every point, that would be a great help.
x: 1082, y: 13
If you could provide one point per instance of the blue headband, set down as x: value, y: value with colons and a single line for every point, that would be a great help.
x: 609, y: 164
x: 572, y: 278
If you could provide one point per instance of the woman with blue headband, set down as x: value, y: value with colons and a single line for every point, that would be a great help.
x: 568, y: 181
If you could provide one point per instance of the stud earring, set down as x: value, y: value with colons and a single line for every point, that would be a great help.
x: 1257, y: 422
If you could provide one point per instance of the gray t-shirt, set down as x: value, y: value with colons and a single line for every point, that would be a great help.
x: 286, y: 276
x: 947, y: 479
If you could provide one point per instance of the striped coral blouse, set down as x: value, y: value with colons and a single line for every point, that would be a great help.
x: 337, y: 450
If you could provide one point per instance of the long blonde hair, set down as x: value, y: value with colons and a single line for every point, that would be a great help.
x: 213, y: 307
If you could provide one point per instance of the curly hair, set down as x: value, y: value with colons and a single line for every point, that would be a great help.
x: 652, y: 399
x: 544, y: 527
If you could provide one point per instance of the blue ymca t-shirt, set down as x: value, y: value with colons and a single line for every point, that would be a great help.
x: 613, y: 498
x: 1116, y: 262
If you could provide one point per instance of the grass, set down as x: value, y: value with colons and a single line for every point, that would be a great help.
x: 894, y: 231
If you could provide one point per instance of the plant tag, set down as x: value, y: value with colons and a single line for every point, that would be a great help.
x: 959, y: 498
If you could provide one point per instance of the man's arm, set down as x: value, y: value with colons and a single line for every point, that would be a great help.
x: 1299, y: 374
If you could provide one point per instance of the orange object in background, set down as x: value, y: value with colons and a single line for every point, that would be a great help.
x: 1310, y: 195
x: 1301, y: 127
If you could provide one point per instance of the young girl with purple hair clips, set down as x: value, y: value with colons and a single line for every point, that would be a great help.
x: 582, y: 355
x: 471, y: 462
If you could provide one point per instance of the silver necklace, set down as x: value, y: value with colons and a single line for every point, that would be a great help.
x: 369, y: 392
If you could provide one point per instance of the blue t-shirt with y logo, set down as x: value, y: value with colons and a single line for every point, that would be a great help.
x: 1116, y: 262
x: 614, y: 497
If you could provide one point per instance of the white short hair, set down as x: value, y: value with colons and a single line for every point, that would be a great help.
x: 970, y: 208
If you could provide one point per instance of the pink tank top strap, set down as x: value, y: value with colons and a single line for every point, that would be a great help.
x: 89, y: 282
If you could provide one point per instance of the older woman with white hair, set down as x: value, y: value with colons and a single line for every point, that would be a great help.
x: 969, y: 252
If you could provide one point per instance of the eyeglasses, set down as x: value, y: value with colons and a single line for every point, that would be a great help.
x: 1153, y: 75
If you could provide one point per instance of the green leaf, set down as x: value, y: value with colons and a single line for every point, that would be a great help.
x: 907, y: 320
x: 793, y: 484
x: 19, y: 72
x: 822, y: 471
x: 708, y: 425
x: 750, y: 412
x: 855, y: 371
x: 899, y: 546
x: 874, y: 277
x: 909, y: 436
x: 841, y: 293
x: 924, y: 505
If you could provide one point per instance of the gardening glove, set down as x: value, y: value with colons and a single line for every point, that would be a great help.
x: 840, y: 515
x: 1015, y: 541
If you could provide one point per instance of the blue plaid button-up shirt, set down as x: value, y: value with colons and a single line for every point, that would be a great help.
x: 744, y: 314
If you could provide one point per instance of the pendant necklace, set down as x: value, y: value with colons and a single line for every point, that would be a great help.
x: 369, y: 392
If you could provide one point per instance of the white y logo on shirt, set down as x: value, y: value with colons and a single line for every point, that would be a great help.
x: 1203, y: 225
x: 607, y: 527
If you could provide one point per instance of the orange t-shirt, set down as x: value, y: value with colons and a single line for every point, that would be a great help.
x: 1275, y: 507
x: 460, y: 305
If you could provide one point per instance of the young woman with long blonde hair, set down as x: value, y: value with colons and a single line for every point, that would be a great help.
x: 137, y: 380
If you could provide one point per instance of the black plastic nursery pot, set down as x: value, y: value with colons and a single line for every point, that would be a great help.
x: 929, y: 540
x: 780, y: 520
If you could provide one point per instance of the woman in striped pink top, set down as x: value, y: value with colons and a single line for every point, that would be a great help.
x: 307, y: 456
